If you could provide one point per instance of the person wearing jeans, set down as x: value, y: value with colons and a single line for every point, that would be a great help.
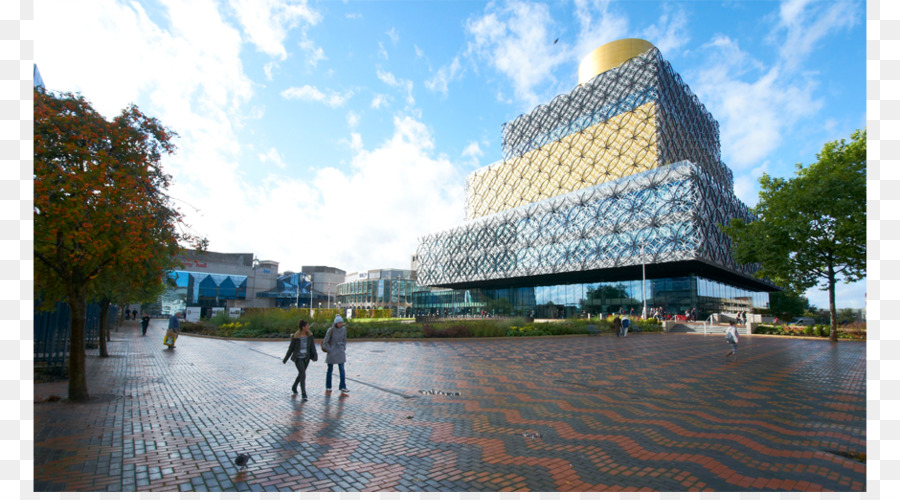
x: 335, y: 345
x: 301, y: 350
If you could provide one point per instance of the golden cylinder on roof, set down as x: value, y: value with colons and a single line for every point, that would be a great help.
x: 610, y: 55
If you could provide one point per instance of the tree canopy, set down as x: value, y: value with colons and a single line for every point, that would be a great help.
x: 811, y: 229
x: 100, y: 206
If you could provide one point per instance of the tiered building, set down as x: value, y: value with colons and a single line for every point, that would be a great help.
x: 619, y: 179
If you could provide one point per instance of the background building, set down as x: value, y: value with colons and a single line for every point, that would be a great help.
x: 619, y: 179
x: 378, y: 289
x: 291, y: 290
x: 211, y: 280
x: 324, y: 283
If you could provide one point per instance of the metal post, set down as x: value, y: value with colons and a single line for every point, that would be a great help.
x: 643, y: 282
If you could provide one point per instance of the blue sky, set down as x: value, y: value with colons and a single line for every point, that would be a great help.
x: 338, y: 133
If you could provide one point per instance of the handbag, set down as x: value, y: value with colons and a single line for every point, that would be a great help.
x: 327, y: 335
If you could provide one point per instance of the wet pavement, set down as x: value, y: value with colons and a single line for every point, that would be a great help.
x: 648, y: 412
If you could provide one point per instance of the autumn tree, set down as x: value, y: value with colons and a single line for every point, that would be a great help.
x: 100, y: 205
x: 811, y: 229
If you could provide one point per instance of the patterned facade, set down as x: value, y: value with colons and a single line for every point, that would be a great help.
x: 624, y: 170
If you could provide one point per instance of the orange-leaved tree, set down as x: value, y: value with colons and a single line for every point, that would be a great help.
x: 100, y: 204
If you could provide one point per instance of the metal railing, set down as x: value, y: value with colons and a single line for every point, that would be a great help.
x: 53, y: 330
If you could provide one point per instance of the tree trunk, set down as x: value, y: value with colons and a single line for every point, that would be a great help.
x: 104, y: 327
x: 831, y: 305
x: 77, y: 381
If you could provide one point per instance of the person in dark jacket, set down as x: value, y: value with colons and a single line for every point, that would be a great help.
x: 145, y: 323
x: 617, y: 326
x: 172, y: 331
x: 301, y: 350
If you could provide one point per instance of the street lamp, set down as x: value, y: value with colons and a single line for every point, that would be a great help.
x: 643, y: 281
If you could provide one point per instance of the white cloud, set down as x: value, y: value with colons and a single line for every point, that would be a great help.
x: 746, y: 189
x: 472, y: 155
x: 269, y: 70
x: 756, y: 109
x: 804, y: 23
x: 369, y: 217
x: 272, y: 155
x: 598, y: 26
x: 399, y: 83
x: 473, y: 151
x: 517, y: 40
x: 314, y: 53
x: 393, y: 35
x: 353, y: 119
x: 311, y: 93
x: 671, y: 33
x: 356, y: 142
x: 267, y: 22
x: 444, y: 75
x: 382, y: 52
x: 187, y: 73
x: 380, y: 101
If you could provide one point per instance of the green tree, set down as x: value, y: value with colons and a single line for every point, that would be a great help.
x: 99, y: 205
x: 787, y: 304
x: 129, y: 284
x: 811, y: 229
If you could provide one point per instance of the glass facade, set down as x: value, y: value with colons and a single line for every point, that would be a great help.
x: 201, y: 289
x: 291, y: 290
x: 392, y: 289
x: 674, y: 295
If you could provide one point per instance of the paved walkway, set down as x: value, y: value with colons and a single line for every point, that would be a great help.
x: 649, y: 412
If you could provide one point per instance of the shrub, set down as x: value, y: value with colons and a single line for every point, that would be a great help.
x: 191, y: 327
x: 219, y: 319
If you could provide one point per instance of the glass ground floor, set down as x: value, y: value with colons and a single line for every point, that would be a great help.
x: 673, y: 295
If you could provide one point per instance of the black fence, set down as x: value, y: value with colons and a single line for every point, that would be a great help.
x: 53, y: 329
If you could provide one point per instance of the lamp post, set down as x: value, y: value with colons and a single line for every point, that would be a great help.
x: 643, y: 281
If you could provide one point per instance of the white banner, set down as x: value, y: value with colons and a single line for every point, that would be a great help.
x: 192, y: 314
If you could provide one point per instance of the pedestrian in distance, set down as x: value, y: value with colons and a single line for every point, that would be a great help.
x: 625, y: 324
x: 172, y: 331
x: 617, y: 326
x: 301, y: 351
x: 335, y: 345
x: 127, y: 314
x: 145, y: 323
x: 731, y: 336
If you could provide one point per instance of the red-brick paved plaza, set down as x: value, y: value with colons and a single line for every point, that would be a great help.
x: 648, y: 412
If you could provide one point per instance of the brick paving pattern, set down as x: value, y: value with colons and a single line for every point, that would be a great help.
x: 648, y: 412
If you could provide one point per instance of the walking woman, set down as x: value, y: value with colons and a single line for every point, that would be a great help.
x: 732, y: 337
x: 335, y: 344
x: 301, y: 351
